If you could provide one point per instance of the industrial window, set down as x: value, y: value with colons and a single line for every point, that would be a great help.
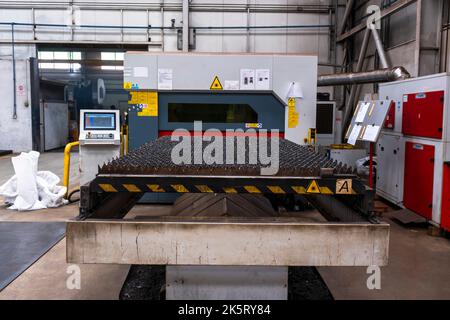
x: 50, y: 56
x: 112, y: 67
x: 60, y: 66
x: 59, y: 55
x: 112, y: 56
x: 212, y: 113
x: 324, y: 118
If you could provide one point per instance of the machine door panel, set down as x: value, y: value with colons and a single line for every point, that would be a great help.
x: 419, y: 178
x: 423, y: 114
x: 445, y: 212
x: 389, y: 161
x: 141, y: 129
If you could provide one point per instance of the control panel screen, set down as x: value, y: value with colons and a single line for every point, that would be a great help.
x: 99, y: 121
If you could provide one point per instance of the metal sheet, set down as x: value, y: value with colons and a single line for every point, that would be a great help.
x: 22, y: 243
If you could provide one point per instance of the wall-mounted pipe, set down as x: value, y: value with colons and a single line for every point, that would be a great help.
x: 87, y: 26
x: 377, y: 76
x: 14, y: 72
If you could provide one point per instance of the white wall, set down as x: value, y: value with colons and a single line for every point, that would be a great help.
x: 15, y: 134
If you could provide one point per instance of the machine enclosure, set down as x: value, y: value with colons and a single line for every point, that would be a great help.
x: 195, y: 74
x: 414, y: 147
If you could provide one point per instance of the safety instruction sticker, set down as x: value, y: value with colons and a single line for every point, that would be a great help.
x: 148, y: 101
x: 344, y: 186
x: 231, y: 85
x: 247, y: 81
x: 262, y: 79
x: 165, y: 77
x: 216, y: 85
x: 292, y: 114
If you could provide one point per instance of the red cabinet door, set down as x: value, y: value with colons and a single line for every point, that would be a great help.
x: 423, y: 114
x: 419, y: 178
x: 445, y: 210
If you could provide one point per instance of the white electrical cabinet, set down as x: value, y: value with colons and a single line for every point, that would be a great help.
x: 390, y: 155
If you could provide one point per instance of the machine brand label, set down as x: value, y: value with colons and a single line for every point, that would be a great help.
x: 418, y: 146
x: 421, y: 96
x: 253, y: 126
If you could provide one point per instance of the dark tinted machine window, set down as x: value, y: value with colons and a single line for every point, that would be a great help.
x: 212, y: 113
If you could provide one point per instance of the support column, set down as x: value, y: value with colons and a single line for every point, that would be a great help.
x: 185, y: 25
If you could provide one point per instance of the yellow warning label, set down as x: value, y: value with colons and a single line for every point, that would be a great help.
x: 127, y: 85
x: 148, y: 101
x: 292, y: 114
x: 216, y: 85
x: 313, y: 187
x: 344, y: 186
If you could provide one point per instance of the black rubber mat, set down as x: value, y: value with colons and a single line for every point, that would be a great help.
x: 23, y: 243
x: 5, y: 152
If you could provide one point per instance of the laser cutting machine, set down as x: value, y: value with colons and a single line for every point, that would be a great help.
x: 223, y: 238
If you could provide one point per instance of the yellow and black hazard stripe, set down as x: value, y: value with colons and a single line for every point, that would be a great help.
x: 245, y: 185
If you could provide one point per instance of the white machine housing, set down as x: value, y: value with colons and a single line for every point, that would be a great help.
x: 99, y: 140
x: 391, y: 146
x: 196, y: 72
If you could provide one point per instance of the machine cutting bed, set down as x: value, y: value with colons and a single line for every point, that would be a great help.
x: 150, y: 169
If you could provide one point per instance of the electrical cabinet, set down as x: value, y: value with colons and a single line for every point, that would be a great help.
x: 423, y: 114
x: 419, y: 178
x: 445, y: 210
x: 389, y: 184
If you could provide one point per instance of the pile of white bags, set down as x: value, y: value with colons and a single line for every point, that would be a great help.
x: 29, y: 189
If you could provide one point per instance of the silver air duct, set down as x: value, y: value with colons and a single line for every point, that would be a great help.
x: 377, y: 76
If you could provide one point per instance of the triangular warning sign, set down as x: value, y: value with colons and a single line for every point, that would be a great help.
x: 313, y: 187
x: 216, y: 85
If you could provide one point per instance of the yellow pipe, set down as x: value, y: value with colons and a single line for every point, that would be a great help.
x: 67, y: 150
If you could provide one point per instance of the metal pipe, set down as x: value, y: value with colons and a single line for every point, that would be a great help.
x: 380, y: 48
x: 348, y: 10
x: 14, y: 72
x: 355, y: 78
x: 354, y: 89
x: 66, y: 173
x: 300, y: 26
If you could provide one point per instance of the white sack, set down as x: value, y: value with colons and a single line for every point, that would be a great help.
x: 29, y: 189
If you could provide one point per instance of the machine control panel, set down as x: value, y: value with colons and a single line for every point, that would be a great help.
x: 104, y: 136
x: 99, y: 127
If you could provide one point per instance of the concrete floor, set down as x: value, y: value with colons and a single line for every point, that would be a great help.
x: 418, y: 267
x: 47, y: 277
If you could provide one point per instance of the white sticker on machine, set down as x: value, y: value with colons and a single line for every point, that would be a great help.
x: 231, y: 85
x: 262, y: 79
x: 140, y: 72
x: 165, y: 77
x: 247, y: 79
